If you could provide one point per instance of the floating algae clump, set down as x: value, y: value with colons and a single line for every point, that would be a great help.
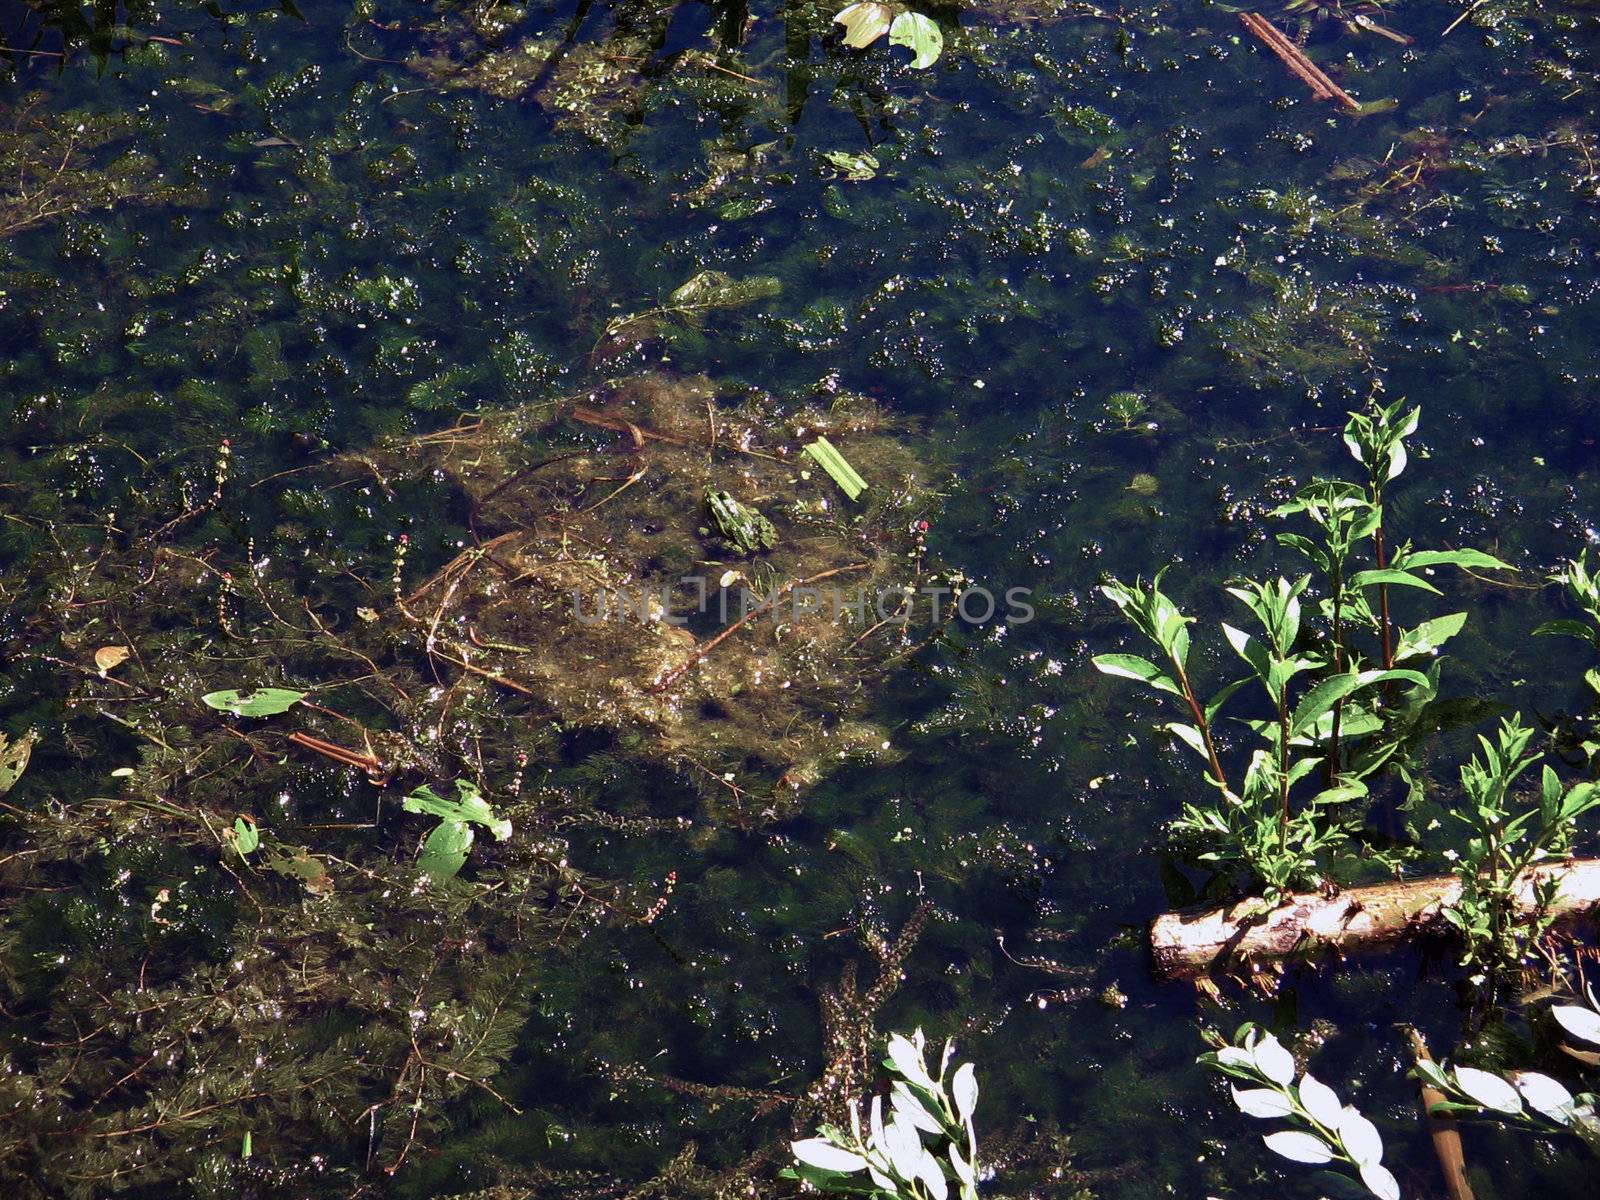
x: 595, y: 597
x: 596, y: 562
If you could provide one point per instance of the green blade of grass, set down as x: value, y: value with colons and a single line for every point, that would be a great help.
x: 824, y: 454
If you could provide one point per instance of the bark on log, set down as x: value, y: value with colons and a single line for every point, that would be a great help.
x: 1189, y: 944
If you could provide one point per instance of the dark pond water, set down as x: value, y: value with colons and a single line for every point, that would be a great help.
x: 317, y: 242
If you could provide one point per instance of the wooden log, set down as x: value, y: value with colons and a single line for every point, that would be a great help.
x: 1186, y: 945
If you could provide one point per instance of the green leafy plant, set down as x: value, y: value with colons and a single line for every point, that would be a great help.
x: 445, y: 850
x: 927, y: 1149
x: 244, y: 836
x: 1343, y: 689
x: 1529, y: 1099
x: 1580, y: 734
x: 865, y: 23
x: 1506, y: 835
x: 1324, y: 1130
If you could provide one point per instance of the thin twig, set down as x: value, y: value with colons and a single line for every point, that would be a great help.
x: 1294, y: 58
x: 1465, y: 13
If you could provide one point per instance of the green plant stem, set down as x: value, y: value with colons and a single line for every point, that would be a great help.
x: 1383, y: 588
x: 1200, y: 723
x: 1283, y: 765
x: 1338, y: 666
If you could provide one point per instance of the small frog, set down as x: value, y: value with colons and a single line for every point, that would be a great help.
x: 742, y: 530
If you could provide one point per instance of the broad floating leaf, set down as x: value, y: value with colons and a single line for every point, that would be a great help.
x: 14, y: 757
x: 920, y: 35
x: 262, y: 702
x: 469, y: 805
x: 864, y: 23
x: 445, y: 851
x: 824, y: 454
x: 246, y: 837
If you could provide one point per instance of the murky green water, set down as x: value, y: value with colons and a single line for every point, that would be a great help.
x: 316, y: 246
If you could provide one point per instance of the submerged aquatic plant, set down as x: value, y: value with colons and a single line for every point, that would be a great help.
x: 926, y: 1150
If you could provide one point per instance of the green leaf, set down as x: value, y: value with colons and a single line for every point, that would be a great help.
x: 1189, y: 736
x: 716, y: 289
x: 14, y: 757
x: 1322, y: 698
x: 1249, y: 649
x: 1131, y: 666
x: 1306, y: 547
x: 445, y: 851
x: 920, y: 35
x: 469, y: 805
x: 823, y: 453
x: 1429, y: 636
x: 1456, y: 558
x: 1391, y: 575
x: 262, y: 702
x: 1430, y: 1072
x: 1221, y: 698
x: 864, y: 23
x: 246, y: 837
x: 1569, y: 628
x: 1584, y: 797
